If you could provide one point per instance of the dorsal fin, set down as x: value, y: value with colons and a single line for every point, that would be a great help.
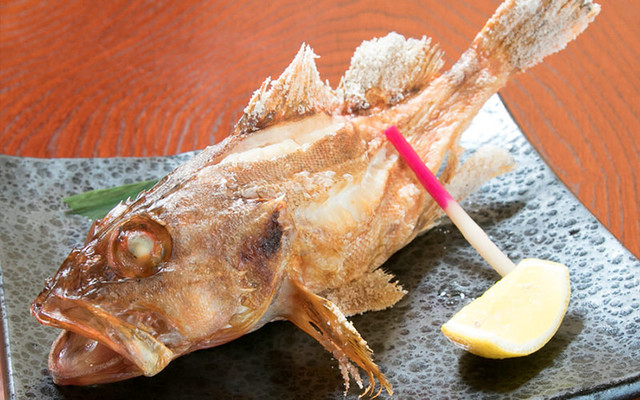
x: 297, y: 92
x: 385, y: 70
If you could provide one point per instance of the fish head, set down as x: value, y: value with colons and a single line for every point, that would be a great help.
x: 152, y: 283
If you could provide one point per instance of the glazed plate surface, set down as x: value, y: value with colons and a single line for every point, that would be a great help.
x: 528, y: 213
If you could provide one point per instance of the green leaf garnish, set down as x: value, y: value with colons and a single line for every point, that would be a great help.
x: 95, y: 204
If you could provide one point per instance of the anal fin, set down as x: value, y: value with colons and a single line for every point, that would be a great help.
x: 321, y: 319
x: 373, y: 291
x: 462, y: 180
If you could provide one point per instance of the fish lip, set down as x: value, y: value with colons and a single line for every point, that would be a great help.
x: 144, y: 351
x: 116, y: 367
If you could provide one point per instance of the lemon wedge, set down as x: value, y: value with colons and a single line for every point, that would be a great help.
x: 516, y: 316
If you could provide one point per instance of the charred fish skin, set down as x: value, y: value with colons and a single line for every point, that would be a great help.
x: 291, y: 215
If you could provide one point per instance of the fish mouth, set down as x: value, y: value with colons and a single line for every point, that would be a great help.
x: 77, y: 360
x: 96, y: 347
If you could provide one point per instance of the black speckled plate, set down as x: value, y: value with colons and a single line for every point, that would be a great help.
x: 596, y: 352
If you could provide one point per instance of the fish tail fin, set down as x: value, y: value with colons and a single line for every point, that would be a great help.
x: 522, y: 32
x: 321, y: 319
x: 518, y: 36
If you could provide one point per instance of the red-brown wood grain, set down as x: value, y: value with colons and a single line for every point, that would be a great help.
x: 142, y: 78
x: 581, y: 111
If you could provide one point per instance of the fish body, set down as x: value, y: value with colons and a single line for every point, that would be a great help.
x: 291, y: 216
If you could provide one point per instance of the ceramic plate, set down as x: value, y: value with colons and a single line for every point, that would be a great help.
x: 529, y: 213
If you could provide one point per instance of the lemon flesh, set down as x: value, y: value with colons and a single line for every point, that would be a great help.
x: 516, y: 316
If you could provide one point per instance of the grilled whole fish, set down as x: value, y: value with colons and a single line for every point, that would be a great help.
x: 291, y: 215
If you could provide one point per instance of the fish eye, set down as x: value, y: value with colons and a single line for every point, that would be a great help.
x: 138, y: 248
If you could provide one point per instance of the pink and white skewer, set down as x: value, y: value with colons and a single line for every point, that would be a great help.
x: 470, y: 230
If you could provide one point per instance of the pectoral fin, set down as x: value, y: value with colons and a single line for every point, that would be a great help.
x: 321, y: 319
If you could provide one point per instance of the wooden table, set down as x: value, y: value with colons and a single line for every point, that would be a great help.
x: 142, y: 78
